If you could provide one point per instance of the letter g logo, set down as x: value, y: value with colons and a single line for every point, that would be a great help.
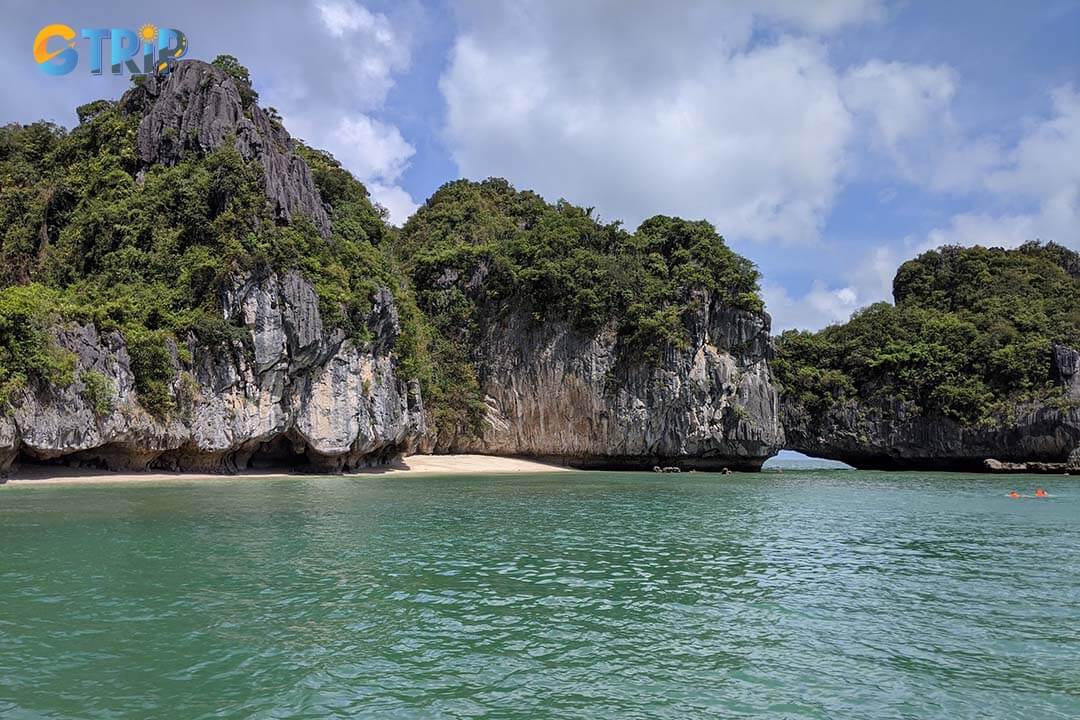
x: 65, y: 58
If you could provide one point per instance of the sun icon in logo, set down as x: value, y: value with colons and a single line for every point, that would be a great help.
x: 148, y: 33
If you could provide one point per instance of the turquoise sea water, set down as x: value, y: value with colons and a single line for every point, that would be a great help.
x: 813, y: 594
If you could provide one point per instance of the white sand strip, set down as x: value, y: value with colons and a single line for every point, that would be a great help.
x: 469, y: 465
x: 411, y: 465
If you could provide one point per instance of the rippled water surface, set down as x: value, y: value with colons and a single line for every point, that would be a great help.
x: 825, y: 594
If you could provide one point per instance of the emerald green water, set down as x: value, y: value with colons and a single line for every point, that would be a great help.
x: 826, y: 594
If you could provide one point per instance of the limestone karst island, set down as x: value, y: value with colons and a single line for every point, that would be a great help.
x: 730, y: 367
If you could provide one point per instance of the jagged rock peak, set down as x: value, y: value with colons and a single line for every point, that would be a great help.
x: 197, y: 107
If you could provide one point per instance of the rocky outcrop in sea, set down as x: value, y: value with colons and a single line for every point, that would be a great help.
x: 286, y: 391
x: 895, y: 435
x: 592, y: 401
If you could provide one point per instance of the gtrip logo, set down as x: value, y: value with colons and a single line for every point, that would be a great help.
x: 157, y: 47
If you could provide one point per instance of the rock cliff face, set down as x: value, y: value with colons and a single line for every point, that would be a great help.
x: 197, y: 108
x: 589, y: 401
x: 285, y: 392
x: 1065, y: 369
x: 980, y: 333
x: 896, y: 436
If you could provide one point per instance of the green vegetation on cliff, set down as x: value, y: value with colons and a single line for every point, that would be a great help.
x: 971, y: 330
x: 91, y: 234
x: 485, y: 247
x: 560, y: 262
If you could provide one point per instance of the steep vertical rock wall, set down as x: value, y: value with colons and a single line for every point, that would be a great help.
x: 590, y: 401
x: 285, y: 392
x: 896, y: 436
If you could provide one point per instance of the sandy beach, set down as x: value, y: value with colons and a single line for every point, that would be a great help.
x: 410, y: 465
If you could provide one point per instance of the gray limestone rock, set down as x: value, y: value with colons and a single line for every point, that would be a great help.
x: 196, y: 108
x: 1065, y: 369
x: 895, y: 436
x: 291, y: 394
x: 590, y: 401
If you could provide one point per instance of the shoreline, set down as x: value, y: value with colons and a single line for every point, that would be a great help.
x: 31, y: 475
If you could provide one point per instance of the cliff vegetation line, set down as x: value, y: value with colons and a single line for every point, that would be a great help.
x: 477, y: 249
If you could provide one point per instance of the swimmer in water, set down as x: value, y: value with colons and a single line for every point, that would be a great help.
x: 1014, y: 494
x: 1039, y: 492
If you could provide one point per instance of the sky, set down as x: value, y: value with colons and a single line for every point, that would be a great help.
x: 828, y: 141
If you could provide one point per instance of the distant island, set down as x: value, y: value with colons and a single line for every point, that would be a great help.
x: 976, y: 361
x: 187, y: 287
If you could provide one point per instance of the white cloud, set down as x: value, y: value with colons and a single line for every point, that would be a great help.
x: 822, y: 16
x: 1056, y: 218
x: 371, y: 51
x: 1042, y: 173
x: 869, y: 281
x: 398, y: 203
x: 905, y: 112
x: 377, y: 154
x: 901, y: 101
x: 1045, y: 160
x: 814, y: 310
x: 371, y: 148
x: 963, y: 165
x: 343, y: 16
x: 648, y: 111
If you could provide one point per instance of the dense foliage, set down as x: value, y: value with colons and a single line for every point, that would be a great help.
x: 561, y: 262
x: 26, y: 351
x: 484, y: 246
x: 971, y: 331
